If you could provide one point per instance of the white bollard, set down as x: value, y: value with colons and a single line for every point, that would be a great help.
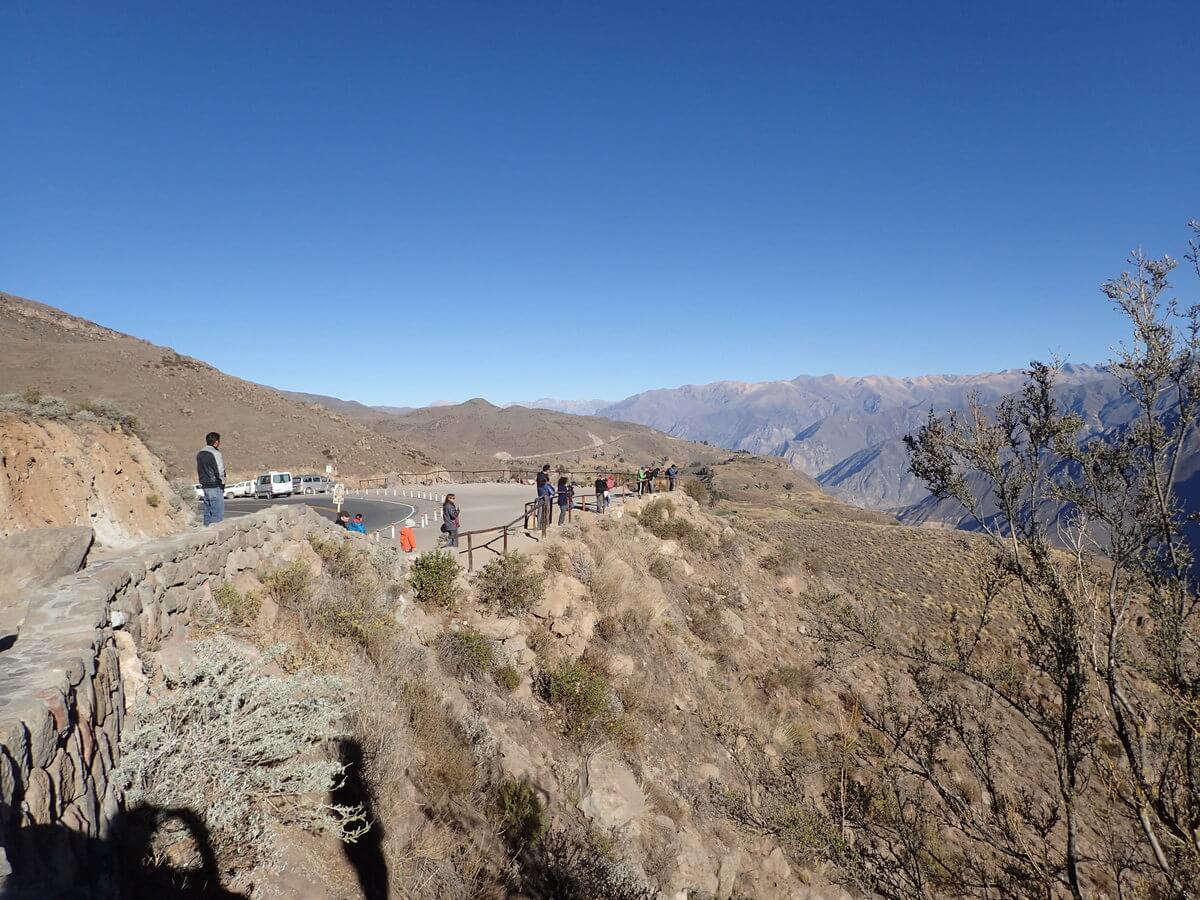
x: 393, y: 527
x: 377, y: 537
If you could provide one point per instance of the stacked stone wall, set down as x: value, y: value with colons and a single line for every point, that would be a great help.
x: 62, y: 694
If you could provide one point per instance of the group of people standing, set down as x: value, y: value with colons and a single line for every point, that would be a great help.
x: 646, y: 478
x: 563, y: 491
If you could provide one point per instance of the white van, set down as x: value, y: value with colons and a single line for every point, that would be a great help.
x: 273, y: 484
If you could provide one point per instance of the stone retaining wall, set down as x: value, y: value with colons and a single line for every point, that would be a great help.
x: 62, y: 699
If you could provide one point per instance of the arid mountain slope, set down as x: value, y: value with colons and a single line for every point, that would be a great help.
x: 477, y: 434
x: 178, y: 399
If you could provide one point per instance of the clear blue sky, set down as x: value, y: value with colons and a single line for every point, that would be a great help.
x: 650, y: 193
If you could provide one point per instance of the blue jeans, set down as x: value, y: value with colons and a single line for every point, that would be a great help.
x: 214, y: 505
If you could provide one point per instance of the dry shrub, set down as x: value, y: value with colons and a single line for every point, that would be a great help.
x: 554, y: 559
x: 510, y: 583
x: 783, y: 560
x: 518, y: 815
x: 698, y: 491
x: 289, y: 586
x: 582, y: 697
x: 662, y: 519
x: 609, y: 585
x: 508, y: 677
x: 232, y: 745
x: 659, y: 567
x: 449, y: 764
x: 466, y: 653
x: 708, y: 626
x: 235, y: 607
x: 799, y: 681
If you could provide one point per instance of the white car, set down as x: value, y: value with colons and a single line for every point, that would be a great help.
x: 240, y: 489
x: 273, y: 484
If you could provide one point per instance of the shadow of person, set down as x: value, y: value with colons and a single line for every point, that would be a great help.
x: 365, y: 854
x: 53, y: 862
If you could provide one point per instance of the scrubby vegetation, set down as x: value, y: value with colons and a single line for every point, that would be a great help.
x: 33, y: 404
x: 583, y: 699
x: 434, y: 578
x: 466, y: 653
x: 509, y: 583
x: 225, y: 741
x: 660, y: 519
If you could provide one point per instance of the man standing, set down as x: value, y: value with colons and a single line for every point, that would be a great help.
x: 210, y: 472
x: 672, y: 475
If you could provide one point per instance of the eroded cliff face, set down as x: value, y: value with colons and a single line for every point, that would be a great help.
x: 76, y: 471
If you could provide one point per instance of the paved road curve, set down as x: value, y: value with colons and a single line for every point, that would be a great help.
x: 377, y: 512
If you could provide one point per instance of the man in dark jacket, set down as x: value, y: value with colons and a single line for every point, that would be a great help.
x: 672, y: 475
x: 210, y: 473
x: 601, y: 486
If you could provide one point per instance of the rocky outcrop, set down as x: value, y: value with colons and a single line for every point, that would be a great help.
x: 65, y: 688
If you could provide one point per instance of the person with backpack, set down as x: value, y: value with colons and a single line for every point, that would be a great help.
x: 450, y: 520
x: 210, y: 473
x: 566, y: 494
x: 601, y: 488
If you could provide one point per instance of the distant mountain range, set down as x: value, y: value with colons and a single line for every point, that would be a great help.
x: 847, y: 432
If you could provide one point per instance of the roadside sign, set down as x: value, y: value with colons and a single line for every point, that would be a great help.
x: 328, y: 469
x: 339, y: 495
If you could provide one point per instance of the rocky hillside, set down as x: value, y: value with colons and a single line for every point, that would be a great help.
x: 636, y: 709
x: 63, y: 468
x: 177, y: 399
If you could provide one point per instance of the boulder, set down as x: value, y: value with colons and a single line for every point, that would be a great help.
x: 609, y: 794
x: 40, y: 556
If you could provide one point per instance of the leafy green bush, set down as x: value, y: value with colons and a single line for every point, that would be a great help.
x: 338, y: 555
x: 581, y: 696
x: 433, y: 576
x: 235, y: 746
x: 509, y: 582
x: 519, y: 816
x: 152, y: 500
x: 466, y: 653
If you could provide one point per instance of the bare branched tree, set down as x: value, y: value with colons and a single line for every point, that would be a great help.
x: 1081, y: 646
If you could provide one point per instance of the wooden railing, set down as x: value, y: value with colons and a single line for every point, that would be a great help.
x: 468, y: 476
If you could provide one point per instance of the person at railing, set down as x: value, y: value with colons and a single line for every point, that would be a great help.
x: 450, y: 520
x: 601, y: 493
x: 650, y: 476
x: 357, y: 524
x: 545, y: 498
x: 566, y: 493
